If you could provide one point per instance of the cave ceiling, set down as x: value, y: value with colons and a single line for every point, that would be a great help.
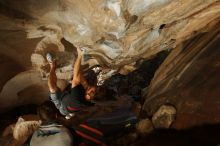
x: 116, y: 34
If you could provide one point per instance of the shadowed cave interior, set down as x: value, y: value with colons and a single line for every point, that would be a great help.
x: 159, y: 59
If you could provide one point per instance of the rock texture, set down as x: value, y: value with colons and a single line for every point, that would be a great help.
x: 16, y: 134
x: 118, y: 34
x: 164, y: 116
x: 189, y: 80
x: 24, y: 88
x: 144, y: 127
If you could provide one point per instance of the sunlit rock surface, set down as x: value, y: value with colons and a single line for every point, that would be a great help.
x: 118, y: 34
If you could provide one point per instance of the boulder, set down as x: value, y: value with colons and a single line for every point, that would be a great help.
x: 16, y: 134
x: 144, y: 126
x: 164, y: 117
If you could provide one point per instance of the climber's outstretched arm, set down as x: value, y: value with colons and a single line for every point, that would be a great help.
x: 76, y: 69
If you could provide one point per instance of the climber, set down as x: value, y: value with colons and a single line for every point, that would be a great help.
x: 80, y: 94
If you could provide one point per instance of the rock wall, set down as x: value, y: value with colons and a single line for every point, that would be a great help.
x: 189, y: 80
x: 118, y: 34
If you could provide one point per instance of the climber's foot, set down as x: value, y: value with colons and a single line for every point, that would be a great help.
x: 51, y: 60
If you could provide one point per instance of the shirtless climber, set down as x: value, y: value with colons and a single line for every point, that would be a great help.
x: 80, y: 94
